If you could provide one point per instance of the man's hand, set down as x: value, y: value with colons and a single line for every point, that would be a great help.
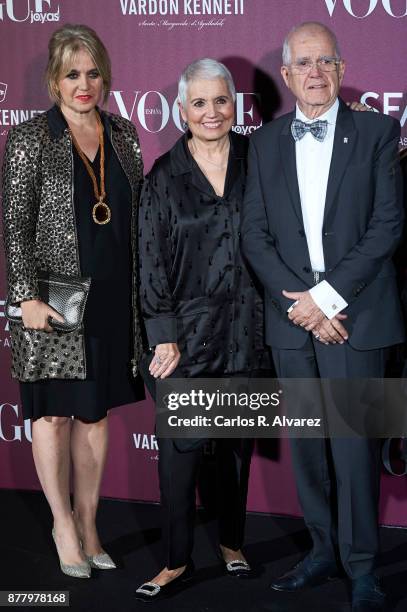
x: 331, y: 331
x: 304, y: 311
x: 165, y: 360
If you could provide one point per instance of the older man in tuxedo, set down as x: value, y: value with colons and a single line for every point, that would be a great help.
x: 321, y: 219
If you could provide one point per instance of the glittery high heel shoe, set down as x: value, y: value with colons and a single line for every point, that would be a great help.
x: 101, y: 561
x: 79, y: 570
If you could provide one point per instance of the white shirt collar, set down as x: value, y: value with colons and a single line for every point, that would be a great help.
x: 330, y: 115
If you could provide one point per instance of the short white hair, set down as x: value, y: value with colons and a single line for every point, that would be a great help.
x: 208, y: 69
x: 308, y: 24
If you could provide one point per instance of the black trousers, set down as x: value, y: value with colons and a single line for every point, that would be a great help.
x: 337, y: 479
x: 178, y: 472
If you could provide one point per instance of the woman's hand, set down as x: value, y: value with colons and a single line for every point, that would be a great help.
x: 35, y: 315
x: 165, y: 360
x: 359, y: 106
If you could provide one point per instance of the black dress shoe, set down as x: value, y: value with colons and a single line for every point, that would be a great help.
x: 304, y: 574
x: 150, y: 591
x: 367, y: 595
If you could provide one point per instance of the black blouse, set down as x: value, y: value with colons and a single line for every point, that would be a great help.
x: 196, y: 289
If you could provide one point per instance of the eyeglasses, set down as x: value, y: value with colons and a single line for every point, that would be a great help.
x: 326, y: 64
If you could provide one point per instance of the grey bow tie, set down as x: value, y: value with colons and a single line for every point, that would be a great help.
x: 317, y: 128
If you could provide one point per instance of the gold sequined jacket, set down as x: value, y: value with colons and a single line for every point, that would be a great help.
x: 40, y: 233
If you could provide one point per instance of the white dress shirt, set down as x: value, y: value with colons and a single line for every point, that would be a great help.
x: 313, y: 160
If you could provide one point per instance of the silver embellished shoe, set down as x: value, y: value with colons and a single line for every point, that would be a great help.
x: 79, y: 570
x: 238, y: 568
x: 101, y: 561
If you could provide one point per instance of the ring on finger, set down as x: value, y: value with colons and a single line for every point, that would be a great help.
x: 317, y: 336
x: 157, y: 360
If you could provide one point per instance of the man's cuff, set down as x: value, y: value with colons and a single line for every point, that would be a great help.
x: 327, y: 299
x: 161, y: 330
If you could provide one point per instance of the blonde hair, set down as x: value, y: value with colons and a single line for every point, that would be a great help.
x: 62, y: 47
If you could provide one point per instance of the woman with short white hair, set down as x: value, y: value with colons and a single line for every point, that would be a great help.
x: 202, y: 310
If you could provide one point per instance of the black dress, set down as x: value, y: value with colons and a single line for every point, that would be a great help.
x: 105, y: 256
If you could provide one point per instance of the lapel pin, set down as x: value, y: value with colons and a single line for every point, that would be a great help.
x: 345, y: 140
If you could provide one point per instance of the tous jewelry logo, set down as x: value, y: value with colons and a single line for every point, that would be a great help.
x: 3, y: 91
x: 390, y: 6
x: 29, y: 10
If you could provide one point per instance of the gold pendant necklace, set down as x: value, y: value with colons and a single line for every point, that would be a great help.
x: 101, y: 213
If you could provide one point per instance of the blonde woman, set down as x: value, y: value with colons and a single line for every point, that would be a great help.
x: 71, y: 181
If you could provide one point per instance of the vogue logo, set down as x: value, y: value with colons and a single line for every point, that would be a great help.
x: 3, y: 91
x: 29, y: 10
x: 9, y: 430
x: 154, y: 111
x: 392, y: 7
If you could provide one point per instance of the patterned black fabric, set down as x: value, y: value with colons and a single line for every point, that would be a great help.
x: 105, y: 256
x: 196, y: 289
x: 40, y: 233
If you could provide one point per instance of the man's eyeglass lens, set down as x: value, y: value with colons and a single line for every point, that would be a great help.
x: 325, y: 64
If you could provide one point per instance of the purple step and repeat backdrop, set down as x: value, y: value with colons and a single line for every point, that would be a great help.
x: 149, y: 42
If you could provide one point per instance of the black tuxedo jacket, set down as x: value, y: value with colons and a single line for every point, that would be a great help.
x: 363, y: 223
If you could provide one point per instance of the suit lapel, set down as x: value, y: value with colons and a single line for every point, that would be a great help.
x: 287, y: 156
x: 344, y: 143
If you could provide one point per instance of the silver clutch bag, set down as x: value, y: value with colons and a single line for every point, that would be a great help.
x: 65, y: 294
